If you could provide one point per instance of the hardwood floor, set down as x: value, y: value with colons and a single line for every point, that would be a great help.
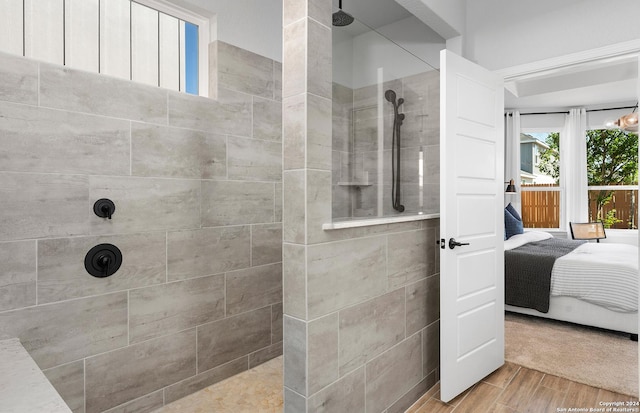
x: 516, y: 389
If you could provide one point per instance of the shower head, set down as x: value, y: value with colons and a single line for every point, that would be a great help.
x: 390, y: 95
x: 341, y: 18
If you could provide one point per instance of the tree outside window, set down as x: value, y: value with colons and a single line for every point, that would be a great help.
x: 612, y: 173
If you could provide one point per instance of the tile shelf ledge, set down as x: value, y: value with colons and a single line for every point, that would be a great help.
x: 366, y: 222
x: 23, y: 386
x: 354, y: 183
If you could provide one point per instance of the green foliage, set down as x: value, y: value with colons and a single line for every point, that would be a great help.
x: 610, y: 218
x: 550, y: 158
x: 612, y: 159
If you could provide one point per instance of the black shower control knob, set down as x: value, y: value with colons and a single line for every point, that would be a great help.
x: 103, y: 260
x: 104, y: 208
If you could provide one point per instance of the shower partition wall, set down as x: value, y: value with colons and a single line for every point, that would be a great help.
x: 385, y: 128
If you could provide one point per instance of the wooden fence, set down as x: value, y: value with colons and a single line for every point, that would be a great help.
x: 541, y: 209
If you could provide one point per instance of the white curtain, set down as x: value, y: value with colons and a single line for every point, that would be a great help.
x: 573, y: 166
x: 512, y: 156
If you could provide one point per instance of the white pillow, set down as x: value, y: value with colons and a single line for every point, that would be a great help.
x: 519, y: 240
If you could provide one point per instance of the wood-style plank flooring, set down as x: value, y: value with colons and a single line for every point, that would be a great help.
x: 516, y: 389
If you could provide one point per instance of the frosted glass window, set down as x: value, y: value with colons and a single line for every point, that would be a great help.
x: 115, y: 38
x: 44, y: 30
x: 169, y: 52
x: 120, y: 38
x: 144, y: 44
x: 81, y: 34
x: 11, y: 35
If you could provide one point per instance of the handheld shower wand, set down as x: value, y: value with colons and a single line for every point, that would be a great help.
x: 390, y: 95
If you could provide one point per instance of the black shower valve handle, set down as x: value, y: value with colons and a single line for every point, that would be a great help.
x: 106, y: 210
x: 105, y: 261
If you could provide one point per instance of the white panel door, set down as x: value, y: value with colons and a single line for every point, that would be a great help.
x: 115, y: 38
x: 81, y: 34
x: 471, y: 202
x: 44, y: 30
x: 11, y: 35
x: 144, y: 44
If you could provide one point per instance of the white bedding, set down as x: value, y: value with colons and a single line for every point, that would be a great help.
x: 600, y: 273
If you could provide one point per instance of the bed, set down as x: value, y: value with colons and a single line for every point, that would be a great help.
x: 594, y: 284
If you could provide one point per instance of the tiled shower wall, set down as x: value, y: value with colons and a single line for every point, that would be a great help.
x: 356, y: 156
x: 361, y: 305
x: 197, y: 188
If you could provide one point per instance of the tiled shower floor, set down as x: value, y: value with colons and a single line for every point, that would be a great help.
x: 258, y: 390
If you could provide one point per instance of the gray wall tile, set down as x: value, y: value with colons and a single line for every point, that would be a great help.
x: 202, y: 380
x: 63, y: 332
x: 322, y: 352
x: 253, y: 288
x: 244, y: 71
x: 345, y: 395
x: 294, y: 282
x: 370, y: 328
x: 62, y: 275
x: 18, y: 79
x: 293, y: 10
x: 294, y: 57
x: 393, y: 374
x: 319, y: 57
x: 125, y: 374
x: 276, y: 323
x: 266, y: 244
x: 318, y: 139
x: 318, y: 192
x: 78, y: 91
x: 207, y: 251
x: 294, y: 132
x: 267, y: 119
x: 321, y: 11
x: 146, y: 204
x: 431, y: 347
x: 53, y: 141
x: 344, y: 273
x: 294, y: 207
x: 173, y: 152
x: 254, y: 160
x: 68, y: 381
x: 225, y: 340
x: 230, y: 114
x: 230, y: 203
x: 295, y: 355
x: 265, y: 354
x: 412, y: 395
x: 170, y: 308
x: 293, y: 402
x: 423, y: 303
x: 277, y: 202
x: 17, y: 275
x: 144, y: 404
x: 35, y: 206
x: 408, y: 257
x: 277, y: 80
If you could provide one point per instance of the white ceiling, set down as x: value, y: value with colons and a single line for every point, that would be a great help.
x: 608, y: 82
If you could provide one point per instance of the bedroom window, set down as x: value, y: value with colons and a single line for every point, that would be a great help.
x: 612, y: 175
x: 540, y: 179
